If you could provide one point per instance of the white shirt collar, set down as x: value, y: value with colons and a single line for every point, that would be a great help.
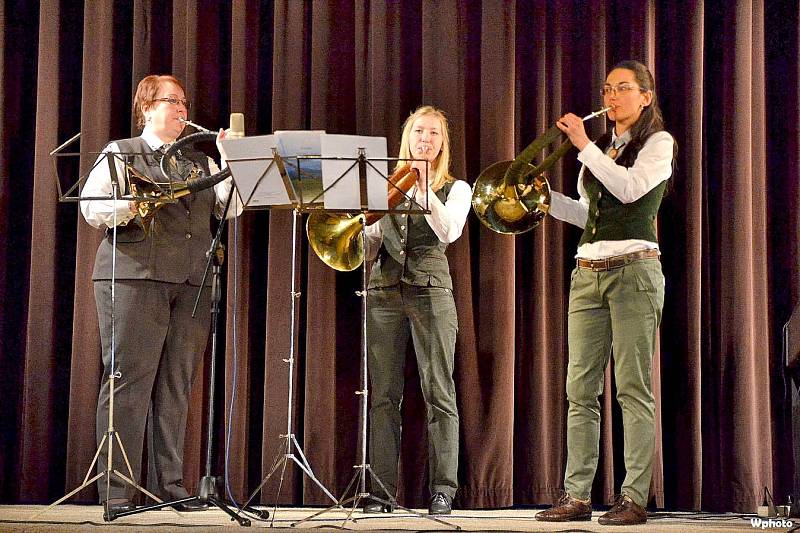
x: 622, y: 139
x: 152, y: 140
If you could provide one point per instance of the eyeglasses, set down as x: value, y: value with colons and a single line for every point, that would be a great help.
x: 619, y: 89
x: 173, y: 101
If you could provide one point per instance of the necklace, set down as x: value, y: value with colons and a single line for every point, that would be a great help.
x: 614, y: 152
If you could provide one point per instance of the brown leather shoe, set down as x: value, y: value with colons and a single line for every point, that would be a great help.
x: 625, y: 512
x: 566, y: 510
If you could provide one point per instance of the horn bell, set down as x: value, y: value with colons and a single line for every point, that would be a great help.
x: 336, y: 239
x: 510, y: 208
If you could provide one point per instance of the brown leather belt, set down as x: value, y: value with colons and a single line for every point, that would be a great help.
x: 617, y: 261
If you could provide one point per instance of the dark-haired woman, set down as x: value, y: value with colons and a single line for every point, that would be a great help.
x: 616, y: 291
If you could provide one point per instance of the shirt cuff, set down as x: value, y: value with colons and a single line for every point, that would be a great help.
x: 590, y: 152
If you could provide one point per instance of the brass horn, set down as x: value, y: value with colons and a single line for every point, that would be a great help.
x: 513, y: 197
x: 336, y: 238
x: 155, y: 195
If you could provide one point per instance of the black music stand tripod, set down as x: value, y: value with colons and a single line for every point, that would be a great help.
x: 110, y: 436
x: 290, y: 449
x: 359, y: 480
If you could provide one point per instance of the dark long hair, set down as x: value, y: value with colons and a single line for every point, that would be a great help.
x: 650, y: 121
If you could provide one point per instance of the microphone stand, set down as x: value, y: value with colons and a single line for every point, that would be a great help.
x: 207, y: 491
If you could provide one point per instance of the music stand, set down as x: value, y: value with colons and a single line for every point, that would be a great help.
x: 261, y: 176
x: 110, y: 436
x: 358, y: 482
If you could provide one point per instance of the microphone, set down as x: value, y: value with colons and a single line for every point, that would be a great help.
x: 236, y: 130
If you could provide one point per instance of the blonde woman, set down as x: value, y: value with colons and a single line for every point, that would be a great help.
x: 411, y: 296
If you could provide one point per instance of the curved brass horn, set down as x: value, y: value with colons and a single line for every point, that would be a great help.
x: 513, y: 197
x: 152, y: 195
x: 336, y: 238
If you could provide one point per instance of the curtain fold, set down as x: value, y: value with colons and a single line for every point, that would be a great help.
x: 503, y: 72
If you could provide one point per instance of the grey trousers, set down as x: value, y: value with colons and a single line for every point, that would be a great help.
x: 428, y: 316
x: 158, y: 345
x: 612, y: 312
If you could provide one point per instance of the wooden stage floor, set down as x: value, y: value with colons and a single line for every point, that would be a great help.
x: 19, y: 518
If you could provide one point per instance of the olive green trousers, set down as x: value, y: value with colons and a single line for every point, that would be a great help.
x: 612, y: 313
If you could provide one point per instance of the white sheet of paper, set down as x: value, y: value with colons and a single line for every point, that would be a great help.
x: 293, y: 143
x: 249, y: 158
x: 345, y: 193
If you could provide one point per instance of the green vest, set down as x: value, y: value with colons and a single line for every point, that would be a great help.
x: 411, y: 252
x: 611, y: 220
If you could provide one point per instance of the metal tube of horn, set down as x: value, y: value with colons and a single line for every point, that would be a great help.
x: 513, y: 197
x: 194, y: 125
x: 598, y: 113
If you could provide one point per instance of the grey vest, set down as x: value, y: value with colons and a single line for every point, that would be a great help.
x: 179, y: 235
x: 411, y: 252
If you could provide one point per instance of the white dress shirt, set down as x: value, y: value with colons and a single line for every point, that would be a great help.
x: 446, y: 219
x: 653, y: 165
x: 100, y: 213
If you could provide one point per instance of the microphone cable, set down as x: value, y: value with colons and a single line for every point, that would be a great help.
x: 235, y: 264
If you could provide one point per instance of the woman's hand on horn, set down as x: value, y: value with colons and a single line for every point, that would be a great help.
x: 572, y: 125
x: 424, y: 169
x: 221, y: 135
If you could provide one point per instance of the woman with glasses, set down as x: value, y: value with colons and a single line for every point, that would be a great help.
x: 411, y: 298
x: 158, y: 267
x: 616, y: 291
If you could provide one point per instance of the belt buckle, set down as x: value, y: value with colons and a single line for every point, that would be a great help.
x: 600, y: 265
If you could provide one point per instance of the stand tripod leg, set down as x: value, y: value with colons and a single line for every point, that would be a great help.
x: 277, y: 462
x: 363, y: 393
x: 85, y: 484
x: 339, y: 505
x: 94, y: 460
x: 307, y: 469
x: 212, y: 499
x: 289, y: 436
x: 107, y: 514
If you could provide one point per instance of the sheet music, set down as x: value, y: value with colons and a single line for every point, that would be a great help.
x: 305, y: 174
x: 345, y: 193
x: 249, y: 159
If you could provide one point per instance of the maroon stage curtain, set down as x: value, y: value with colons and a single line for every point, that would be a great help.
x: 504, y: 71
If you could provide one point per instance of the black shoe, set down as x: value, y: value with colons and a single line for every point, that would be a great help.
x: 191, y: 505
x: 375, y: 507
x: 113, y: 507
x: 441, y: 503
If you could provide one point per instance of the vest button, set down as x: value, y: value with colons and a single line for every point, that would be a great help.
x: 404, y: 216
x: 402, y: 252
x: 594, y: 230
x: 599, y: 194
x: 597, y: 213
x: 402, y: 228
x: 188, y: 235
x: 402, y: 239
